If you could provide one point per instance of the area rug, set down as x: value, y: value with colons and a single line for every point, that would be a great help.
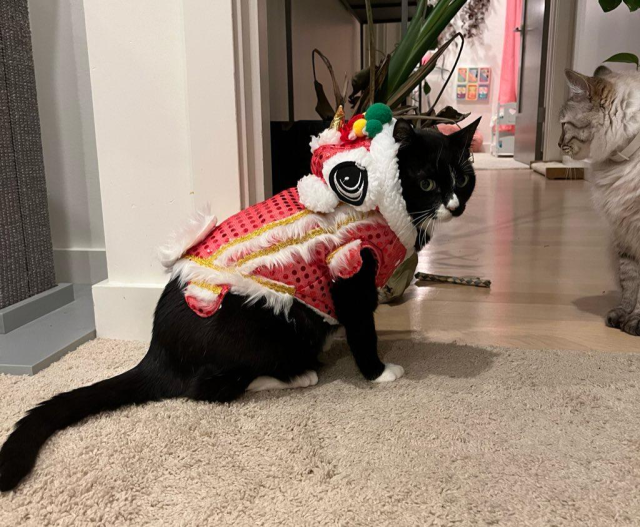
x: 470, y: 436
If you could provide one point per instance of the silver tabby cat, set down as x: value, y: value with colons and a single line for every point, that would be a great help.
x: 599, y: 121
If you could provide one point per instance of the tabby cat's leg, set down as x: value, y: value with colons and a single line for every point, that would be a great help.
x: 355, y: 300
x: 626, y: 315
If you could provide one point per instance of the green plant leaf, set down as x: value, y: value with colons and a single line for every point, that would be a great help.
x: 426, y: 88
x: 633, y: 5
x: 609, y: 5
x: 627, y: 58
x: 403, y: 64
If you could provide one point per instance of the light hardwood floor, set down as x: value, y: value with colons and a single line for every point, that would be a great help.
x: 545, y: 251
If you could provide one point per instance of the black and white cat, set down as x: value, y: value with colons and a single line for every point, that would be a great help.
x: 247, y: 347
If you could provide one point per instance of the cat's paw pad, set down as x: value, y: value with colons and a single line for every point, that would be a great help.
x: 304, y: 380
x: 616, y: 317
x: 391, y: 373
x: 632, y: 325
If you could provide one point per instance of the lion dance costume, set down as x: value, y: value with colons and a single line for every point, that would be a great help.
x: 292, y: 246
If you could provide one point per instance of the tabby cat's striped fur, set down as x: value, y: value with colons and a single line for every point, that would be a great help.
x: 602, y: 117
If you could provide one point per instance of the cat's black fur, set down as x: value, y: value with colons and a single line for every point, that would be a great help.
x: 216, y: 358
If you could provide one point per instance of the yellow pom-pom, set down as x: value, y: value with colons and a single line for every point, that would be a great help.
x: 358, y: 127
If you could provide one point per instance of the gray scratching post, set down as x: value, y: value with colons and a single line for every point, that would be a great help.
x: 25, y: 236
x: 39, y: 320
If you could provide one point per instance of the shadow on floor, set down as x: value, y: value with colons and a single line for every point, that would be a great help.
x: 420, y: 359
x: 599, y: 304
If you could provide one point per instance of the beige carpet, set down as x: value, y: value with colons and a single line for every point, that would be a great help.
x: 470, y: 436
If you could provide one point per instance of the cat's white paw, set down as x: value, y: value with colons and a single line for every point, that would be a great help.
x: 308, y: 378
x: 391, y: 372
x: 304, y: 380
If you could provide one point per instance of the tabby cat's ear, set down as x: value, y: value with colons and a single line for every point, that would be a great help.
x: 578, y: 84
x: 464, y: 136
x: 403, y: 132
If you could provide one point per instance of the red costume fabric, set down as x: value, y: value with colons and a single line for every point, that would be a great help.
x: 289, y: 251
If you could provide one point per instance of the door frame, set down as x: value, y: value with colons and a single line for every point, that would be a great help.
x: 252, y: 100
x: 560, y: 46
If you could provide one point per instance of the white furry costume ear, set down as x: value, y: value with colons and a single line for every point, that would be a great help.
x: 200, y: 224
x: 326, y: 137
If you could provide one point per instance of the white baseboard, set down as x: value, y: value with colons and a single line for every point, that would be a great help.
x: 80, y: 266
x: 125, y: 311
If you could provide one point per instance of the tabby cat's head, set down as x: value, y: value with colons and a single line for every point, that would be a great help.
x: 436, y: 174
x: 586, y: 117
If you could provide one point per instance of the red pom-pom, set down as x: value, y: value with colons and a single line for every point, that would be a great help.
x: 347, y: 127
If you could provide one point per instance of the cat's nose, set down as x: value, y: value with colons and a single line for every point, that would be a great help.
x: 453, y: 203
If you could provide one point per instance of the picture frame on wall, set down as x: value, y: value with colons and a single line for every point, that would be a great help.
x: 474, y: 84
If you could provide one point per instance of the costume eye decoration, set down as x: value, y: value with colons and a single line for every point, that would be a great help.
x: 462, y: 180
x: 427, y: 185
x: 349, y: 181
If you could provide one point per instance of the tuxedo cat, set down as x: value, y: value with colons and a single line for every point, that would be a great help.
x: 247, y: 346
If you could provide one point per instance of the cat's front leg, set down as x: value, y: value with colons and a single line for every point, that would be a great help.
x: 626, y: 316
x: 356, y: 300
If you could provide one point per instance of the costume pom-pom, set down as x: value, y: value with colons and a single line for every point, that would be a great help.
x: 379, y: 112
x: 358, y: 127
x: 373, y: 128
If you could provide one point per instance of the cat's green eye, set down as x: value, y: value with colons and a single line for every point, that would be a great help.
x: 427, y: 185
x: 462, y: 180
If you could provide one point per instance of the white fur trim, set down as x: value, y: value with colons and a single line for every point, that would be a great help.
x: 391, y: 204
x: 199, y: 225
x: 316, y: 195
x: 326, y: 137
x: 340, y: 264
x: 189, y: 271
x: 203, y: 295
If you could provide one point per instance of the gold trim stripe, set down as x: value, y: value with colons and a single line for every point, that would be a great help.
x: 271, y: 284
x: 309, y: 236
x: 209, y: 287
x: 259, y: 231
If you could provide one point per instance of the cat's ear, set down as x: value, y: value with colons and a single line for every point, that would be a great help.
x: 403, y: 132
x: 463, y: 137
x: 587, y: 88
x: 578, y: 84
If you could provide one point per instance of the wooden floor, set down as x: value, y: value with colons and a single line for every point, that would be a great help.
x: 545, y: 251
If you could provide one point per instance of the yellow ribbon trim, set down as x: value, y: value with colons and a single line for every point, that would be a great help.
x: 275, y: 286
x: 309, y: 236
x: 259, y: 231
x: 209, y: 287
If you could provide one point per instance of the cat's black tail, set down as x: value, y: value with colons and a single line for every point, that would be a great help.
x: 18, y: 454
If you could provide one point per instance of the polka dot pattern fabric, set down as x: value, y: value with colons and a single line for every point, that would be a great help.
x: 279, y: 207
x: 285, y: 271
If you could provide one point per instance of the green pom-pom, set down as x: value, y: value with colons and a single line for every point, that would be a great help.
x: 373, y: 128
x: 379, y: 112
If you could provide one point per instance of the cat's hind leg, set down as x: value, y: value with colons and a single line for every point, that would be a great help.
x: 212, y: 386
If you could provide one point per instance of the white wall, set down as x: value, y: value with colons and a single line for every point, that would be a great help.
x: 68, y: 138
x: 599, y: 35
x: 164, y: 98
x: 483, y: 51
x: 325, y: 25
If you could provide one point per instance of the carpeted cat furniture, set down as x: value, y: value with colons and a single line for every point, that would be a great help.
x: 292, y: 246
